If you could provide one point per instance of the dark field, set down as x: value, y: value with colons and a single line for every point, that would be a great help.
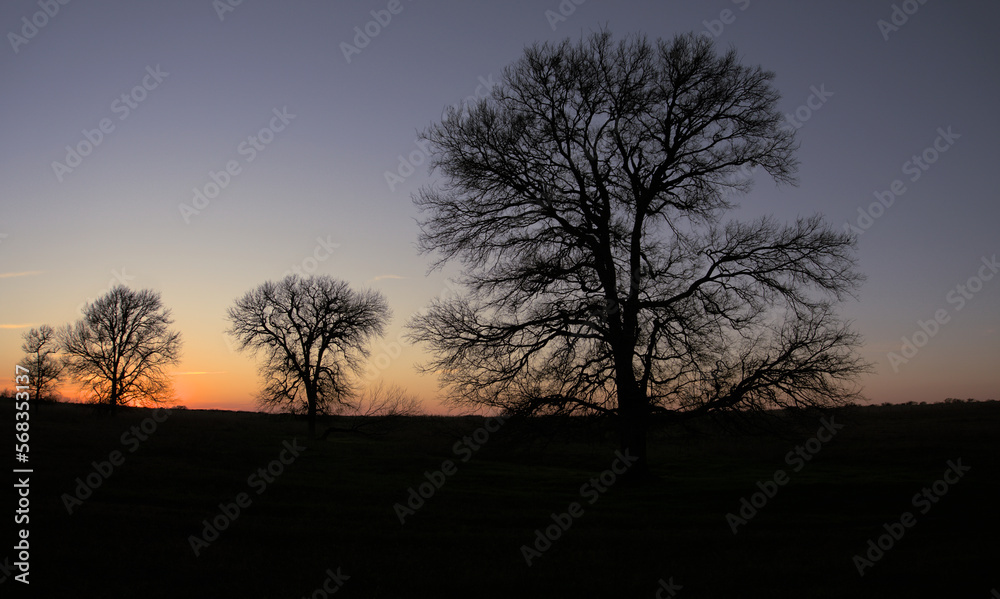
x: 332, y: 507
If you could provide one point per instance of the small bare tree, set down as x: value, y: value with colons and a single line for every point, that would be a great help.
x: 121, y: 348
x: 375, y: 409
x: 40, y: 348
x: 585, y: 199
x: 313, y: 333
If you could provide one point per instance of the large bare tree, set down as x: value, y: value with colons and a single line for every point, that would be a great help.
x: 313, y: 333
x: 40, y: 348
x: 585, y: 199
x: 121, y: 348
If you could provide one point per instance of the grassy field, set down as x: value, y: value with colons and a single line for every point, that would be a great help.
x: 332, y: 507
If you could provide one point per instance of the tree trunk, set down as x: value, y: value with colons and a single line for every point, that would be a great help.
x: 113, y: 399
x: 311, y: 413
x: 633, y: 418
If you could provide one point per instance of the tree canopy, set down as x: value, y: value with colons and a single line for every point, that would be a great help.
x: 585, y: 200
x: 121, y: 348
x: 313, y: 333
x: 40, y: 349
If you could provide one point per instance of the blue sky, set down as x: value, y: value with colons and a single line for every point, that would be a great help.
x: 201, y: 93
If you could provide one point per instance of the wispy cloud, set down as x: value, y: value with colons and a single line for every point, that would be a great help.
x: 27, y: 273
x: 16, y: 326
x: 198, y: 372
x: 381, y: 277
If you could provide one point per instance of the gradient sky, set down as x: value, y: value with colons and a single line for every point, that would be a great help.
x: 878, y: 97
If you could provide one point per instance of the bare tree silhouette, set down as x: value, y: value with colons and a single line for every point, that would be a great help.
x: 40, y: 348
x: 585, y: 200
x: 313, y: 333
x: 121, y: 348
x: 373, y: 410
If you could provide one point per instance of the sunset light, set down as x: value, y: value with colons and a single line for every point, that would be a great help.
x: 523, y: 298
